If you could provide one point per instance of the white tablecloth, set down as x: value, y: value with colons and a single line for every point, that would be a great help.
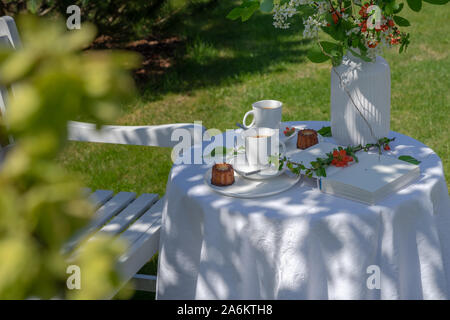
x: 304, y: 244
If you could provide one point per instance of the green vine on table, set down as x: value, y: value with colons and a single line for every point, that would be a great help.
x: 319, y: 166
x: 325, y: 132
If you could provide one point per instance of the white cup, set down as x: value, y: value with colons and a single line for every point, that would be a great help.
x: 266, y: 114
x: 260, y: 144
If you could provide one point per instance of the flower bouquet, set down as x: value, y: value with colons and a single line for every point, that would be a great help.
x: 356, y: 31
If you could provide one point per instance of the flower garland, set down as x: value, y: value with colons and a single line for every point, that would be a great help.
x: 339, y: 157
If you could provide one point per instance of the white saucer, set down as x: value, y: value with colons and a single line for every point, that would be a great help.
x: 244, y: 168
x: 245, y: 188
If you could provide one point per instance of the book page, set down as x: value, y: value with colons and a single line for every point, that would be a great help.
x: 372, y: 172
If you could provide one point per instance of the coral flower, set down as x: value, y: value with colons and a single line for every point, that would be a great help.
x: 363, y: 11
x: 340, y: 158
x: 335, y: 17
x: 363, y: 26
x: 394, y: 40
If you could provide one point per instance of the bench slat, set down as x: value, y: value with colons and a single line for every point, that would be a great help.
x: 99, y: 197
x: 111, y: 208
x: 144, y: 282
x: 143, y: 238
x: 143, y: 225
x: 106, y: 212
x: 133, y: 211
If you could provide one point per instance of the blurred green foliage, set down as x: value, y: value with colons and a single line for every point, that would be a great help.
x: 119, y: 19
x: 41, y: 204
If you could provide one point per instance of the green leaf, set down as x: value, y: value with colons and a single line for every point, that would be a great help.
x: 234, y: 14
x: 33, y: 5
x: 402, y: 22
x: 305, y: 10
x: 337, y: 32
x: 325, y: 132
x: 439, y: 2
x: 405, y: 43
x: 333, y: 49
x: 363, y: 57
x: 415, y: 5
x: 274, y: 159
x: 249, y: 11
x: 321, y: 172
x: 316, y: 55
x: 409, y: 159
x: 266, y: 5
x: 362, y: 48
x: 388, y: 9
x: 244, y: 11
x: 399, y: 8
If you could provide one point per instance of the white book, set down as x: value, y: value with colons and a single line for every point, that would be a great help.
x: 369, y: 180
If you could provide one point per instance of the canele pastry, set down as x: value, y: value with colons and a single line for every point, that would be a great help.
x: 222, y: 174
x: 306, y: 138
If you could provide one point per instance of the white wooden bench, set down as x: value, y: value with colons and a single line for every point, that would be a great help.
x: 125, y: 215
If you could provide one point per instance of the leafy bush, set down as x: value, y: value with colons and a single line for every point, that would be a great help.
x: 42, y: 205
x: 111, y: 17
x: 120, y: 19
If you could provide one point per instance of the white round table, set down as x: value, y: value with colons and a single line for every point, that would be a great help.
x: 304, y: 244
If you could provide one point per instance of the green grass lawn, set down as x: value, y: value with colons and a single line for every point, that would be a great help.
x: 226, y: 65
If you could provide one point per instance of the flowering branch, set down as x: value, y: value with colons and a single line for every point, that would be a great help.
x: 348, y: 22
x: 338, y: 157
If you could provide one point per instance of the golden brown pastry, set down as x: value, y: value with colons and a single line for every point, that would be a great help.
x: 222, y: 174
x: 306, y: 138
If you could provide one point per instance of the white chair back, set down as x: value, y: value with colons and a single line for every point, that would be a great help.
x: 9, y: 37
x: 8, y: 28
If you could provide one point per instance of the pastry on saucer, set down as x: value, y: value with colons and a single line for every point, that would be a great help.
x: 307, y: 138
x: 222, y: 174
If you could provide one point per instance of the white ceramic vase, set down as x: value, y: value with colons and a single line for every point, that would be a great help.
x: 369, y: 85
